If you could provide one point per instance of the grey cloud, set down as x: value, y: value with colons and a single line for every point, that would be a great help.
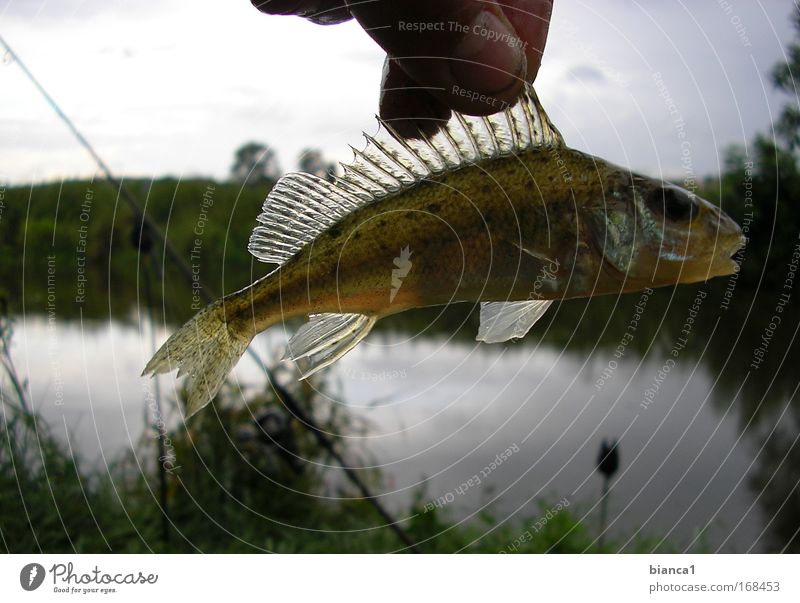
x: 587, y: 74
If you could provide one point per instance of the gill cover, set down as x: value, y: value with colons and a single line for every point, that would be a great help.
x: 659, y: 233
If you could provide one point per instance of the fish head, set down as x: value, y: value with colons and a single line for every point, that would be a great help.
x: 653, y: 233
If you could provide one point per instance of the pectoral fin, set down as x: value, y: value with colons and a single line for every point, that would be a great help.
x: 501, y: 321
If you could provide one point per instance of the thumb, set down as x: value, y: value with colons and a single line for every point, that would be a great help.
x: 467, y: 54
x: 322, y: 12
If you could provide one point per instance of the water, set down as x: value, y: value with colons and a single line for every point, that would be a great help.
x: 706, y: 460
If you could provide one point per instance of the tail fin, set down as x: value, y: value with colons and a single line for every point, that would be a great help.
x: 206, y: 348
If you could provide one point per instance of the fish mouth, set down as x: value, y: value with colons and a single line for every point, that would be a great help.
x: 722, y: 262
x: 725, y: 262
x: 729, y: 241
x: 713, y: 253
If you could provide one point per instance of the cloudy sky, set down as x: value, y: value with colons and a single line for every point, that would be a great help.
x: 174, y: 86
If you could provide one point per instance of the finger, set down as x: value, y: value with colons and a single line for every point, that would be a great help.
x: 408, y: 107
x: 323, y: 12
x: 531, y: 22
x: 464, y: 50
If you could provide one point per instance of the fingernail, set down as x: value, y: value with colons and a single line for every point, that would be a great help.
x: 489, y: 58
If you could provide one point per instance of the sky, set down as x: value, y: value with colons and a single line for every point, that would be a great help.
x: 173, y: 87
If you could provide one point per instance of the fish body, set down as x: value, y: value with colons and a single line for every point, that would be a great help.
x: 493, y: 210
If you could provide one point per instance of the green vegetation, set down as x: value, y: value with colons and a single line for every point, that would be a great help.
x: 82, y: 228
x: 74, y: 248
x: 233, y: 484
x: 251, y: 478
x: 81, y: 240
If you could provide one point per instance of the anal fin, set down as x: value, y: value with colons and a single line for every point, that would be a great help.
x: 501, y: 321
x: 327, y: 337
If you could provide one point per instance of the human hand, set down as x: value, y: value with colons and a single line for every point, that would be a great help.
x: 472, y: 56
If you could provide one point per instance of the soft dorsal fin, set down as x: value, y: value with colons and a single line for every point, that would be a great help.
x: 302, y: 206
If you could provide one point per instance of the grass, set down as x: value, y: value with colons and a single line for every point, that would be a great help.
x: 235, y: 485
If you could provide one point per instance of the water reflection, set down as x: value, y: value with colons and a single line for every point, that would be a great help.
x: 711, y: 459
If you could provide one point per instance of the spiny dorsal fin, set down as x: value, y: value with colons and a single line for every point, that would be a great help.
x: 302, y: 206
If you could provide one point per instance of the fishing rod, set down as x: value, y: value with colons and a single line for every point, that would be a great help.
x: 176, y: 259
x: 183, y: 266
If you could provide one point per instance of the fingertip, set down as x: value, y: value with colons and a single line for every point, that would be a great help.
x: 322, y: 12
x: 489, y: 58
x: 466, y: 53
x: 531, y: 20
x: 407, y: 106
x: 479, y: 71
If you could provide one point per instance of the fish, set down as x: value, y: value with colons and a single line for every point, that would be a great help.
x: 494, y: 210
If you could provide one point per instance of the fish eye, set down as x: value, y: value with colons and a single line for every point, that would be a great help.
x: 674, y: 204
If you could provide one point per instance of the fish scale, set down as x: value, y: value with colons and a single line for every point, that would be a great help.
x: 492, y: 210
